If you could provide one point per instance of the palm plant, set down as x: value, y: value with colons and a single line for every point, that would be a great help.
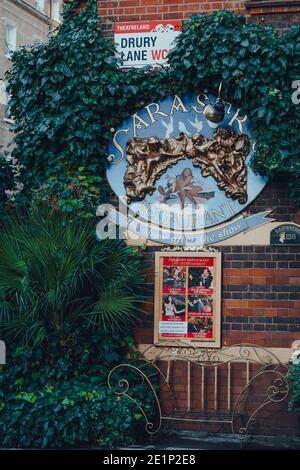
x: 54, y: 272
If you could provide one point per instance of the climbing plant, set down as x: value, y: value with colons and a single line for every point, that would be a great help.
x: 6, y: 183
x: 257, y: 67
x: 69, y: 95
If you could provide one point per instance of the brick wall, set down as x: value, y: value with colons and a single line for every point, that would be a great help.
x: 260, y: 304
x: 280, y: 14
x: 281, y: 21
x: 274, y: 419
x: 260, y: 285
x: 135, y: 10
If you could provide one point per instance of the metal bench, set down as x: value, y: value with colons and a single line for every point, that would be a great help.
x: 231, y: 386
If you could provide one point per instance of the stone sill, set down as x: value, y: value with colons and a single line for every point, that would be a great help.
x: 9, y: 120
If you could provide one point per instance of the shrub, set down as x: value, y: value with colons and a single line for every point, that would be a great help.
x: 74, y: 413
x: 57, y: 395
x: 53, y: 271
x: 294, y: 379
x: 6, y: 182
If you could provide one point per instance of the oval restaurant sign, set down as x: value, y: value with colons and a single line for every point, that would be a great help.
x: 182, y: 165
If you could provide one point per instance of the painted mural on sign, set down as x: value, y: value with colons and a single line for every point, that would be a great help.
x: 187, y: 157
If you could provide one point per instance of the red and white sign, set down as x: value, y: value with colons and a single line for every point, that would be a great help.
x: 146, y: 43
x: 187, y: 297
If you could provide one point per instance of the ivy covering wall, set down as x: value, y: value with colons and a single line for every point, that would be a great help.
x: 69, y: 95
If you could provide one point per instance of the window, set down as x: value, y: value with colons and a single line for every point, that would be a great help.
x: 55, y: 10
x: 40, y: 5
x: 11, y: 40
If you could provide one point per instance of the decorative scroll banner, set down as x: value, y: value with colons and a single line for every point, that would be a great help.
x: 184, y: 238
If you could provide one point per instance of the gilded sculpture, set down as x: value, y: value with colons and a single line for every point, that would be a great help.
x: 222, y: 156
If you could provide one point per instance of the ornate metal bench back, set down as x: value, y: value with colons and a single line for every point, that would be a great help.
x: 219, y: 400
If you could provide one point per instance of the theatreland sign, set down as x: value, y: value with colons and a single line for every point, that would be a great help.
x: 145, y: 43
x: 183, y: 167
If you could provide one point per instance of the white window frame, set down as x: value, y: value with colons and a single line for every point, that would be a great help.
x: 40, y: 5
x: 55, y: 13
x: 10, y: 39
x: 2, y: 93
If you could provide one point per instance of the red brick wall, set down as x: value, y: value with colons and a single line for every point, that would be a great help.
x: 260, y: 285
x: 133, y: 10
x: 266, y: 12
x: 274, y: 419
x: 260, y: 305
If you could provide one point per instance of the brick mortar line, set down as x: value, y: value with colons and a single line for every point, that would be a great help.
x: 261, y: 319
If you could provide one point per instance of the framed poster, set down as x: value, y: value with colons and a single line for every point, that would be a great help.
x: 188, y: 298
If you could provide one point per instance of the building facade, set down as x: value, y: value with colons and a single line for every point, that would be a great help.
x: 260, y: 280
x: 22, y: 22
x: 281, y: 14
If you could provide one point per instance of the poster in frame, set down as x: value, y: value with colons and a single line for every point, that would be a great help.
x: 188, y: 298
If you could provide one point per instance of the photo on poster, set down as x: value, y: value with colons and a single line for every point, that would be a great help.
x: 200, y: 327
x: 173, y: 307
x: 200, y: 304
x: 174, y: 277
x: 200, y: 277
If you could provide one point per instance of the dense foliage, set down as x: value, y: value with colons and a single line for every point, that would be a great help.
x: 66, y: 299
x: 56, y: 396
x: 68, y: 96
x: 294, y: 379
x: 53, y: 271
x: 73, y: 414
x: 6, y: 182
x: 257, y: 67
